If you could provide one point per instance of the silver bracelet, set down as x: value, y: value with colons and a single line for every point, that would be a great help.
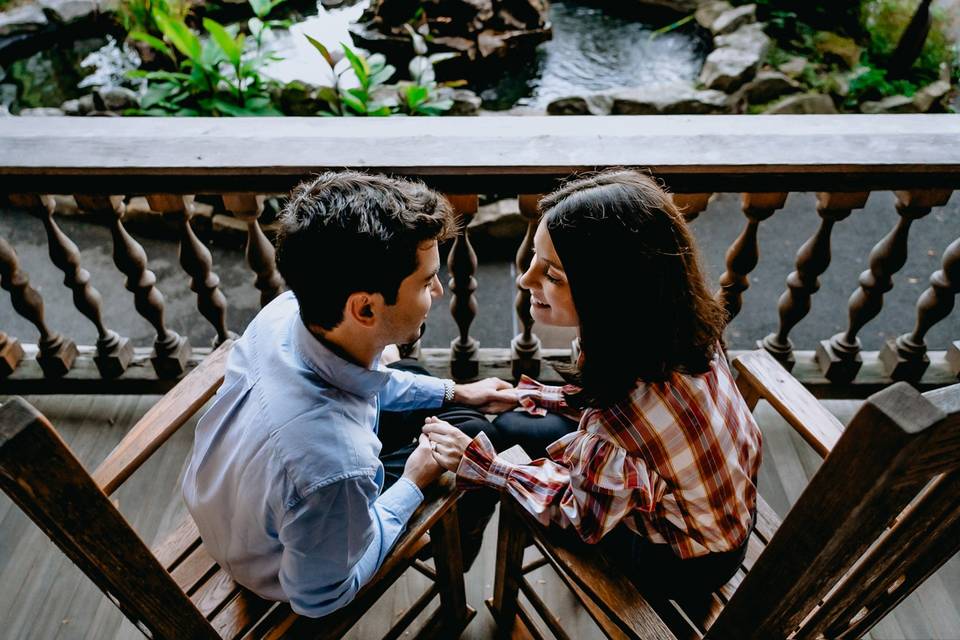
x: 448, y: 390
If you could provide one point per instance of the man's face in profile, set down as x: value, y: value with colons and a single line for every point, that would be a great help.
x: 417, y: 291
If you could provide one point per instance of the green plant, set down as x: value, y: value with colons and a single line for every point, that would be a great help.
x: 364, y: 100
x: 885, y: 20
x: 137, y: 15
x: 420, y: 97
x: 258, y: 25
x: 214, y: 76
x: 872, y: 84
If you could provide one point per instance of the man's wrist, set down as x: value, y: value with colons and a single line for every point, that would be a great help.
x: 449, y: 391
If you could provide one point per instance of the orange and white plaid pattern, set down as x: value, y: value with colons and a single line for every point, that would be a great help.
x: 675, y: 461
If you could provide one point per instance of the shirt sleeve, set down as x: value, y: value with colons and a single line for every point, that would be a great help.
x: 537, y: 398
x: 406, y: 390
x: 590, y: 487
x: 336, y: 538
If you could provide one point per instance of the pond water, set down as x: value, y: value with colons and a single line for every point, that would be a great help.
x: 590, y: 51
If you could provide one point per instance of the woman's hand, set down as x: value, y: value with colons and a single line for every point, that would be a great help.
x: 491, y: 395
x: 448, y: 442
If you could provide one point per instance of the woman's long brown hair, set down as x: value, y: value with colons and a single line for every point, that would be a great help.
x: 637, y: 285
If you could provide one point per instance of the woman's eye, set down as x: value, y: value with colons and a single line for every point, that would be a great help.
x: 551, y: 278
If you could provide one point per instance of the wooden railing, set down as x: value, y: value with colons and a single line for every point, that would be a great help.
x: 104, y: 162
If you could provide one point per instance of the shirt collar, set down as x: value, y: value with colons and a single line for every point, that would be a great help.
x: 334, y: 369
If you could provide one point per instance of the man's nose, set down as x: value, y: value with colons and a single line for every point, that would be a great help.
x: 437, y: 290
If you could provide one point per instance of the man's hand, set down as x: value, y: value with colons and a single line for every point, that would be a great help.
x: 421, y: 469
x: 448, y: 442
x: 491, y: 395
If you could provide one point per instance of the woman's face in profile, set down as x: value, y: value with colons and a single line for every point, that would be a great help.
x: 551, y: 301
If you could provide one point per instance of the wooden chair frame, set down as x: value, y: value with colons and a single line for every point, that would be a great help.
x: 177, y: 590
x: 878, y: 518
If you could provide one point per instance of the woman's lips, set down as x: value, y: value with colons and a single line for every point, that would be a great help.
x: 538, y: 303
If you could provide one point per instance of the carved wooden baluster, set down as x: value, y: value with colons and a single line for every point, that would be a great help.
x: 114, y: 353
x: 691, y: 205
x: 525, y: 346
x: 462, y: 263
x: 56, y: 353
x: 171, y: 351
x: 743, y: 254
x: 905, y: 358
x: 839, y: 357
x: 11, y: 353
x: 260, y: 253
x: 813, y: 258
x: 196, y: 261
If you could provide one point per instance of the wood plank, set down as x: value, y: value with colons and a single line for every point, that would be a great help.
x: 474, y: 155
x: 790, y: 399
x: 162, y: 420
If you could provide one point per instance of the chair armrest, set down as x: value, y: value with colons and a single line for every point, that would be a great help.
x: 162, y: 420
x: 766, y: 378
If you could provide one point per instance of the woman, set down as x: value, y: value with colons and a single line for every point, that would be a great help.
x: 665, y: 456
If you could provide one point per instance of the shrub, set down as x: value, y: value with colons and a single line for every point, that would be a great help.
x: 885, y: 20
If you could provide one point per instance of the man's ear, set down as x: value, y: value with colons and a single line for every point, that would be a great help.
x: 361, y: 308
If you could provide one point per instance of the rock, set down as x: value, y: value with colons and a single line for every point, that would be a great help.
x: 115, y: 99
x: 299, y: 99
x: 750, y: 37
x: 708, y: 13
x: 71, y: 107
x: 767, y: 86
x: 925, y: 98
x: 891, y: 104
x: 67, y: 11
x: 8, y: 95
x: 794, y: 66
x: 81, y: 106
x: 730, y: 21
x: 27, y: 17
x: 41, y: 112
x: 500, y: 44
x: 570, y: 106
x: 4, y: 112
x: 727, y: 68
x: 668, y: 99
x: 500, y: 220
x: 804, y: 104
x: 465, y: 103
x: 837, y: 48
x: 685, y: 7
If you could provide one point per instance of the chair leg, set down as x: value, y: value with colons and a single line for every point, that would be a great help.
x: 512, y: 539
x: 445, y: 537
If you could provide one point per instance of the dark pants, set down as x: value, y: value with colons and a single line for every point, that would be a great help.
x: 398, y: 432
x: 657, y: 570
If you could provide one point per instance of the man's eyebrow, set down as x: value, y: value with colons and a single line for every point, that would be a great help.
x: 432, y: 274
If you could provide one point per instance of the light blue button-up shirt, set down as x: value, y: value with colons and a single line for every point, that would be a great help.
x: 284, y: 481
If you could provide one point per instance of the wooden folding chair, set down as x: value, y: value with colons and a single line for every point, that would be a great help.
x: 176, y: 590
x: 880, y: 516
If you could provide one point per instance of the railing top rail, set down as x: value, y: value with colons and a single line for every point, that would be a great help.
x: 526, y: 154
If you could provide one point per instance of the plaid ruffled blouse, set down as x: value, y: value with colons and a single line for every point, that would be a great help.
x: 675, y: 461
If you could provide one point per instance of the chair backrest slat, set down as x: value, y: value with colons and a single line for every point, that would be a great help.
x: 44, y: 478
x: 893, y: 446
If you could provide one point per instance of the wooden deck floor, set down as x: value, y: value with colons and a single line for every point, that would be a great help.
x: 44, y: 596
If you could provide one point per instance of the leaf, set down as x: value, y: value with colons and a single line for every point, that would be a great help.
x: 421, y: 71
x: 231, y: 47
x: 328, y: 94
x: 380, y: 111
x: 359, y: 64
x: 323, y: 51
x: 419, y: 44
x: 255, y: 26
x: 359, y: 94
x: 416, y: 95
x: 154, y: 42
x: 352, y: 102
x: 260, y: 7
x: 381, y: 76
x: 377, y: 61
x: 440, y: 57
x: 157, y: 93
x: 179, y: 34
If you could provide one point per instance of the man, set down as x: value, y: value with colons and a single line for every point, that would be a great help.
x: 290, y: 483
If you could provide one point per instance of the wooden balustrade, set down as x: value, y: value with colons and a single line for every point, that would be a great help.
x: 259, y: 253
x: 744, y: 253
x: 525, y: 346
x: 842, y: 158
x: 839, y: 358
x: 56, y: 353
x: 462, y: 263
x: 196, y: 260
x: 813, y: 258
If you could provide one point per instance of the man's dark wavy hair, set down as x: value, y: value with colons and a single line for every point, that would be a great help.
x: 637, y: 285
x: 347, y: 231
